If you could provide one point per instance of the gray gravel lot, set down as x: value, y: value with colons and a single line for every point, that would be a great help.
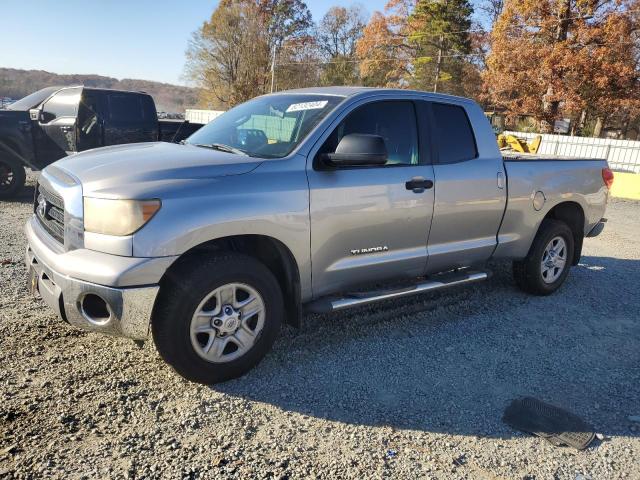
x: 406, y: 389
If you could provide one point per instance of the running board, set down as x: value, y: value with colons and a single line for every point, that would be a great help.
x: 333, y: 304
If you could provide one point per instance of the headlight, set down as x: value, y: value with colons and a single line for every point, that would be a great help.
x: 117, y: 217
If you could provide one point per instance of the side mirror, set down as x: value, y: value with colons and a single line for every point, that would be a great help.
x: 40, y: 115
x: 46, y: 117
x: 357, y: 149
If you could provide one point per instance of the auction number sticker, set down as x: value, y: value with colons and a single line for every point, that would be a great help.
x: 296, y: 107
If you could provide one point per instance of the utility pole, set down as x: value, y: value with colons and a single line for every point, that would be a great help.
x: 273, y: 68
x: 438, y: 63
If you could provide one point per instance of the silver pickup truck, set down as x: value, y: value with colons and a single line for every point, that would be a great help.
x: 314, y: 199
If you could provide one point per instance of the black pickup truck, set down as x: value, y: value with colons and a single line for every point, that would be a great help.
x: 58, y: 121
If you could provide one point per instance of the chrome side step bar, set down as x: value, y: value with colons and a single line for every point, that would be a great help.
x: 333, y: 304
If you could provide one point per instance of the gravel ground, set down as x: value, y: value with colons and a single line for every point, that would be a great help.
x: 411, y: 388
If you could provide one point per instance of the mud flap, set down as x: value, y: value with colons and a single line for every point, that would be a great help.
x: 552, y: 423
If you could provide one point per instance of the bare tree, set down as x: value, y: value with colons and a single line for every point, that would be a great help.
x: 337, y: 36
x: 491, y: 9
x: 230, y: 56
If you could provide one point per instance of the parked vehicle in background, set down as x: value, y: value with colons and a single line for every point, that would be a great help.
x: 5, y: 102
x: 305, y: 199
x: 55, y: 122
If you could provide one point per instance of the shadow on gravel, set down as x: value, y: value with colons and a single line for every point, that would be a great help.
x: 452, y: 362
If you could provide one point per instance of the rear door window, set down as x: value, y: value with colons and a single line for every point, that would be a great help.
x: 124, y: 108
x: 453, y: 133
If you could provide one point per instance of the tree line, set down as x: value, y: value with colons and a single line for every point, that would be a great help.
x: 542, y: 60
x: 16, y: 83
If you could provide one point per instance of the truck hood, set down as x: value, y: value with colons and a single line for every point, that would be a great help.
x: 129, y: 171
x: 12, y: 117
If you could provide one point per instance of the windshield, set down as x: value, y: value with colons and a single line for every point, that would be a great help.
x: 269, y: 127
x: 33, y: 100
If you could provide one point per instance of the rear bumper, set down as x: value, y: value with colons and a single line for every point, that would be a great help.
x: 598, y: 228
x: 127, y: 309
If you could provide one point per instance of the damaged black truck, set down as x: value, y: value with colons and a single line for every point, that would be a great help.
x: 58, y: 121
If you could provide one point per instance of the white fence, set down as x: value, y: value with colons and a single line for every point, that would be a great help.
x: 622, y: 155
x: 201, y: 116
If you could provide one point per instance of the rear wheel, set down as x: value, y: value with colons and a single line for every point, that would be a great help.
x: 217, y: 317
x: 12, y: 177
x: 547, y: 265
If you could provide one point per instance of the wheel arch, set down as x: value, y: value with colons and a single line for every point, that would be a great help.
x: 274, y: 254
x: 572, y: 214
x: 9, y: 145
x: 11, y: 161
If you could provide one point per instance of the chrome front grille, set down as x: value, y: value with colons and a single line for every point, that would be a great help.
x: 49, y: 209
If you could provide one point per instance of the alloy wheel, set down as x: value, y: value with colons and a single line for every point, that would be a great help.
x: 554, y: 259
x: 227, y: 322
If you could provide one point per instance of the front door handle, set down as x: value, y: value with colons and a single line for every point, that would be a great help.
x: 418, y: 184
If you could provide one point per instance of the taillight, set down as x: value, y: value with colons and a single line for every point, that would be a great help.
x: 607, y: 177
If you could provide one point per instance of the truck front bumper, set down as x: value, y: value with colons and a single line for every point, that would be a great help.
x: 66, y: 283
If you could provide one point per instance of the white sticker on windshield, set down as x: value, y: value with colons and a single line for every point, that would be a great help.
x: 296, y: 107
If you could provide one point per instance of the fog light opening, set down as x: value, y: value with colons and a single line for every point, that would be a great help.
x: 95, y: 309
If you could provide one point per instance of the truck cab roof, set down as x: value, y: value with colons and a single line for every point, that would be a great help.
x: 353, y: 91
x: 35, y: 99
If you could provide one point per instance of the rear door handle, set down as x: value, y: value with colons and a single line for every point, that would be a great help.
x: 418, y: 184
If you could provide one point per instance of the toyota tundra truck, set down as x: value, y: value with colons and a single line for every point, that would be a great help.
x: 312, y: 200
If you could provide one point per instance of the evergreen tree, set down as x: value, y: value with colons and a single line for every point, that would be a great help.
x: 439, y: 31
x: 422, y: 44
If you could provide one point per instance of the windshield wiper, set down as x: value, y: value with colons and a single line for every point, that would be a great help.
x: 223, y: 148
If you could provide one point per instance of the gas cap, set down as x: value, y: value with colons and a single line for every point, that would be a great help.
x: 538, y: 200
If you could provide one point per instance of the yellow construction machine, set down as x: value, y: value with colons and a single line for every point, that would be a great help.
x: 511, y: 142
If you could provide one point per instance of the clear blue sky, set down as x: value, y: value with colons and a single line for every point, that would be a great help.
x: 143, y: 39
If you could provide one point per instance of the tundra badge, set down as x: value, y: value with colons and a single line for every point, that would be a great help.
x: 360, y: 251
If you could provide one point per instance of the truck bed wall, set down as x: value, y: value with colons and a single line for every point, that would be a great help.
x: 578, y: 181
x: 176, y: 130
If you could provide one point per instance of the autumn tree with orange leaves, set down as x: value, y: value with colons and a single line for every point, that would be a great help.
x: 422, y: 44
x: 382, y: 50
x: 566, y: 58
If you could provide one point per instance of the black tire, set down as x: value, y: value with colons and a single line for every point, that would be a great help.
x: 528, y: 271
x: 185, y: 288
x: 12, y: 177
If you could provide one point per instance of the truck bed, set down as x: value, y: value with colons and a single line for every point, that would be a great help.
x: 552, y: 180
x: 176, y: 130
x: 535, y: 157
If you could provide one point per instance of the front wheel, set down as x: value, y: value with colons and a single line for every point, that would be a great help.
x: 547, y: 264
x: 217, y: 317
x: 12, y: 177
